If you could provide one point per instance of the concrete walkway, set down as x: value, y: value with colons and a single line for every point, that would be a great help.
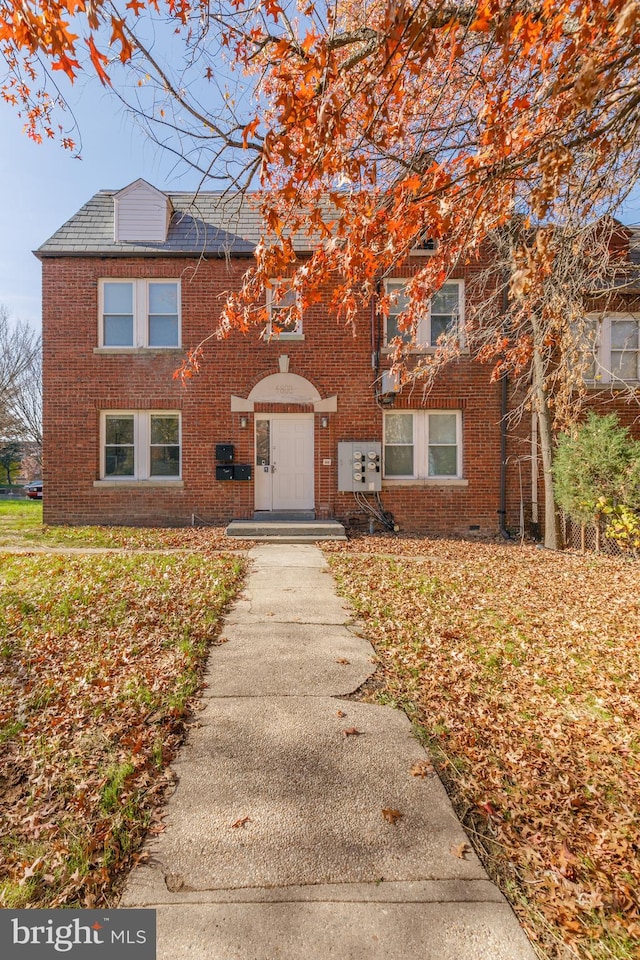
x: 277, y: 846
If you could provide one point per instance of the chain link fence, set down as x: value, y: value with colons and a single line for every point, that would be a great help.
x: 590, y: 538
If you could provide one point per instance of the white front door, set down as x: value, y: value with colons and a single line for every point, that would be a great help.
x: 284, y: 462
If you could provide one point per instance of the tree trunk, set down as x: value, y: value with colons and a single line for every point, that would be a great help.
x: 551, y: 525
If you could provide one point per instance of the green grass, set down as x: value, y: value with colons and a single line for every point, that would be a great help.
x: 112, y: 789
x: 21, y: 527
x: 19, y: 518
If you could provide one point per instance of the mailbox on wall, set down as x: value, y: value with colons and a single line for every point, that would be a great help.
x: 242, y: 471
x: 224, y: 452
x: 224, y: 472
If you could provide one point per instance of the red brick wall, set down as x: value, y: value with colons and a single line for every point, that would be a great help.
x: 79, y: 382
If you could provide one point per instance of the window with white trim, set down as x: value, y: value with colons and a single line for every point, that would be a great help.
x: 139, y: 313
x: 422, y: 445
x: 442, y: 316
x: 140, y: 445
x: 283, y: 325
x: 613, y: 341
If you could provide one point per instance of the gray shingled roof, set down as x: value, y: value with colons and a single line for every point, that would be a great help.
x: 634, y: 245
x: 217, y: 224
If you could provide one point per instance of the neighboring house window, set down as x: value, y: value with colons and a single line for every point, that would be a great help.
x: 613, y: 341
x: 442, y: 315
x: 625, y: 348
x: 280, y: 298
x: 423, y: 444
x: 588, y: 344
x: 140, y: 445
x: 139, y: 313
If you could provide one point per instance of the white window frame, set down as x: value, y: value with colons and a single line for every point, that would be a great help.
x: 298, y: 333
x: 140, y: 297
x: 421, y: 444
x: 602, y: 349
x: 141, y: 446
x: 423, y: 332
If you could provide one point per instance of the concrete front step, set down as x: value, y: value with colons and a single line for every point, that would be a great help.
x: 286, y: 531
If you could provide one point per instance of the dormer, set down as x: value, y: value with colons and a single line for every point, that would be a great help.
x: 141, y: 214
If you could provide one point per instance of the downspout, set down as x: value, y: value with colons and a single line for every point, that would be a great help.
x: 504, y: 402
x: 535, y: 526
x: 375, y: 335
x: 504, y: 383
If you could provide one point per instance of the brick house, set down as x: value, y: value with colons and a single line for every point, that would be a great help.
x: 277, y: 421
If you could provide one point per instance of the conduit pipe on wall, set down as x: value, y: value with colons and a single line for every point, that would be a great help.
x: 375, y: 345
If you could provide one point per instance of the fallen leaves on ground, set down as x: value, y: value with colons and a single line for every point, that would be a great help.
x: 421, y: 769
x: 461, y: 851
x: 522, y: 666
x: 99, y: 657
x: 392, y: 816
x: 21, y: 527
x: 241, y: 822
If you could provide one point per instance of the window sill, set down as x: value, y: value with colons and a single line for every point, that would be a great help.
x: 139, y: 484
x: 433, y: 482
x: 388, y: 351
x: 287, y: 337
x: 118, y: 351
x: 612, y: 384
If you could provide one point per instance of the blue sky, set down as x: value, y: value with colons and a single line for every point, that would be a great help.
x: 44, y: 185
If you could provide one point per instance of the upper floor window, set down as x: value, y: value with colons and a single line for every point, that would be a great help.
x: 613, y: 345
x: 140, y: 445
x: 139, y: 313
x: 423, y: 444
x: 283, y: 325
x: 441, y: 317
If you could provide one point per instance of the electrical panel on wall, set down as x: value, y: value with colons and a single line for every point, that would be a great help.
x: 360, y: 466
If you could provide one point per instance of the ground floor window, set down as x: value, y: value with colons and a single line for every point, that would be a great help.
x: 140, y: 445
x: 423, y: 444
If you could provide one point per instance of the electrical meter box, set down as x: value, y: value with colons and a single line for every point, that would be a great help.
x: 360, y: 466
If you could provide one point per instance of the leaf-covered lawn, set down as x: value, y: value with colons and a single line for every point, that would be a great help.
x: 21, y: 526
x: 523, y: 669
x: 99, y: 656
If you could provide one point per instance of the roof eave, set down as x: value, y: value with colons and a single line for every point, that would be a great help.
x: 137, y: 254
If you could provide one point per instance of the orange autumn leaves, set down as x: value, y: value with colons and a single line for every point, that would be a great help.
x: 366, y: 131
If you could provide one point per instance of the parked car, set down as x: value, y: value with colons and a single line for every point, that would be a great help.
x: 34, y: 490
